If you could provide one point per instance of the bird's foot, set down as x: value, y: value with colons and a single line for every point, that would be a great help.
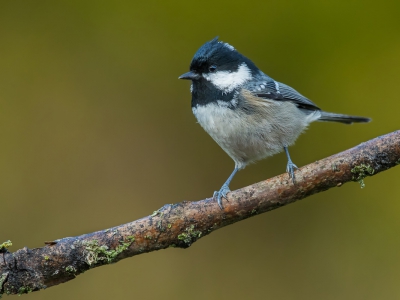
x: 290, y: 169
x: 221, y: 193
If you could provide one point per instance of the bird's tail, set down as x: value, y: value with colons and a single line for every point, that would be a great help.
x: 346, y: 119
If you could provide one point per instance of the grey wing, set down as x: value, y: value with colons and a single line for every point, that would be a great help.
x: 271, y: 89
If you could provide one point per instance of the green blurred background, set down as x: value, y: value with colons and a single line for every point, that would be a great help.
x: 96, y: 130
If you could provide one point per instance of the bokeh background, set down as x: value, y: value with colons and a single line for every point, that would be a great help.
x: 96, y: 130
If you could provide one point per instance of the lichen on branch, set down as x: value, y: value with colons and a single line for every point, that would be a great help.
x: 182, y: 224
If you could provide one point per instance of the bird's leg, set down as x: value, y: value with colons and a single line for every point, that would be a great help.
x: 225, y: 188
x: 290, y: 165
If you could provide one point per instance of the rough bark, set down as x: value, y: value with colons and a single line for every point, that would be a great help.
x: 181, y: 224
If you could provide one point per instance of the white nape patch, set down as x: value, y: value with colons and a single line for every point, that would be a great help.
x: 277, y: 87
x: 230, y: 47
x: 191, y: 88
x: 228, y: 81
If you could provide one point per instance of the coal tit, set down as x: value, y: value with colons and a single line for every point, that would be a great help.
x: 249, y: 114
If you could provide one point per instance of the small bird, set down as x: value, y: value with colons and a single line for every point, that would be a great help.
x: 250, y: 115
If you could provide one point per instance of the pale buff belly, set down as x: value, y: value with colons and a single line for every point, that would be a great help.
x: 250, y: 137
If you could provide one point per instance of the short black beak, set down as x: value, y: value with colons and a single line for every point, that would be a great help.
x: 190, y: 76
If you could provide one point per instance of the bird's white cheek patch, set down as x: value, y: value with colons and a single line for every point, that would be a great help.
x: 228, y: 81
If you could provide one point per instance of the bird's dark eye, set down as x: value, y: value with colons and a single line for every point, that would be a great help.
x: 212, y: 68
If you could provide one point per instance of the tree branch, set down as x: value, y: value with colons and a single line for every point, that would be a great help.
x: 181, y: 224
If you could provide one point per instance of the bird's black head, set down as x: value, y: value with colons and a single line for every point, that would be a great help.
x: 220, y: 65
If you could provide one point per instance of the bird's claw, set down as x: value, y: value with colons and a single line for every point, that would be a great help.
x: 221, y: 193
x: 290, y: 169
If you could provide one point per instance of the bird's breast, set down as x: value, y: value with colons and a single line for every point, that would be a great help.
x: 218, y: 120
x: 242, y: 139
x: 251, y: 134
